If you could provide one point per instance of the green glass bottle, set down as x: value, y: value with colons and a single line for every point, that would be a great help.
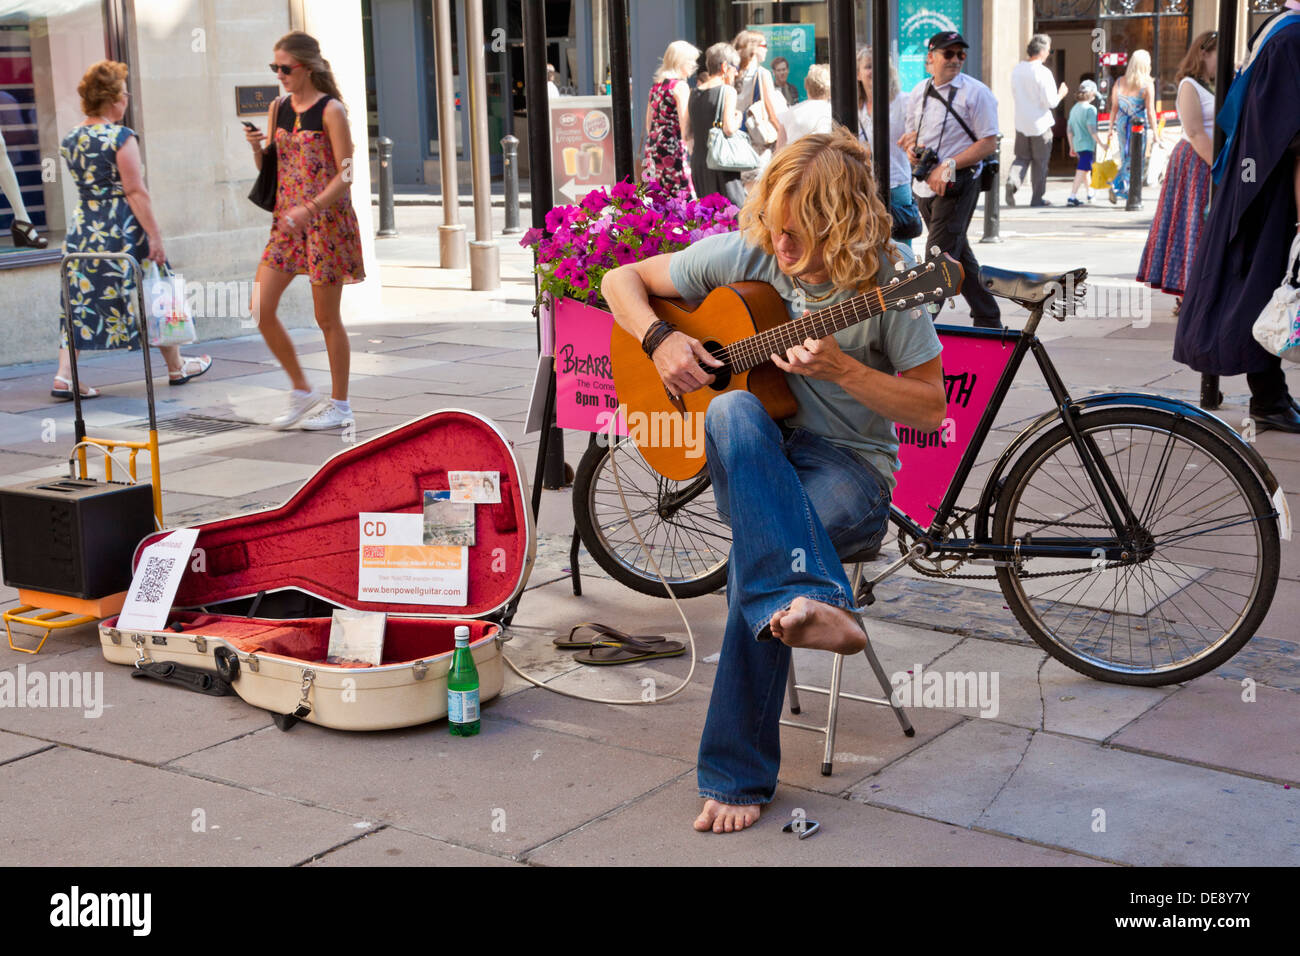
x: 462, y: 688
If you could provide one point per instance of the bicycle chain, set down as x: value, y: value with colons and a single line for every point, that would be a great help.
x: 1021, y: 574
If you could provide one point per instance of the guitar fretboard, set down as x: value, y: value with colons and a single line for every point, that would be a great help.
x: 745, y: 354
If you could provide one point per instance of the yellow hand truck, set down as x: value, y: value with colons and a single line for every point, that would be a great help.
x: 52, y: 612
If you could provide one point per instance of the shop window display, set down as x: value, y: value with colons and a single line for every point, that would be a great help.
x: 42, y: 58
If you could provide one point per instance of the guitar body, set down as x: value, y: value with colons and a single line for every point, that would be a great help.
x: 659, y: 424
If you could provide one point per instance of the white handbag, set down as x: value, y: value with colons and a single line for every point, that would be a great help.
x: 1278, y: 327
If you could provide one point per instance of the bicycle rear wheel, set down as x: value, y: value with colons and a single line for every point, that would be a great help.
x: 678, y: 520
x: 1198, y: 577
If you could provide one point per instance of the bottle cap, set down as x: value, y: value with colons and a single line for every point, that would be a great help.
x: 462, y: 635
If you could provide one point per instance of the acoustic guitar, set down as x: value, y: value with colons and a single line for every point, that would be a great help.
x: 741, y: 325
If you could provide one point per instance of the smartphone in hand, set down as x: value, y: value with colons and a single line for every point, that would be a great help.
x: 249, y: 126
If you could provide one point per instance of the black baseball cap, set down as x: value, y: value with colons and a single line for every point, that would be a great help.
x: 946, y: 39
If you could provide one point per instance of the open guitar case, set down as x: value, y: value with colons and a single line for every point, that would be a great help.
x: 253, y: 610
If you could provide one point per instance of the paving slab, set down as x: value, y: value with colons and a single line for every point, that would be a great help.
x: 981, y: 754
x: 657, y: 831
x: 1082, y: 707
x: 1208, y: 722
x: 138, y: 718
x: 507, y: 790
x: 17, y: 746
x: 1157, y: 812
x: 238, y: 476
x: 90, y: 810
x: 390, y: 846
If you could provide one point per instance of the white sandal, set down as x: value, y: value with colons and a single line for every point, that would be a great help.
x: 184, y: 373
x: 66, y: 393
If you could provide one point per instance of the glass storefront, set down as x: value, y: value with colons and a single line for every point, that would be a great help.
x: 44, y: 50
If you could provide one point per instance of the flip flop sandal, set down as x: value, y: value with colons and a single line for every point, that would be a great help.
x: 607, y: 636
x: 629, y: 651
x: 203, y: 363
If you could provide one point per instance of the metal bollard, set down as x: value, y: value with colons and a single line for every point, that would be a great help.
x: 510, y: 166
x: 387, y: 227
x: 993, y: 203
x: 1134, y: 201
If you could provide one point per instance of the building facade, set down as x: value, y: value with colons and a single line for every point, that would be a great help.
x: 190, y: 61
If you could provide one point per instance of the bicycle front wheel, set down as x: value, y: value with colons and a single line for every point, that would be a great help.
x: 1201, y: 562
x: 678, y: 520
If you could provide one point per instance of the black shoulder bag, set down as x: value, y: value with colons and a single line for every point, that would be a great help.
x: 989, y: 174
x: 263, y: 192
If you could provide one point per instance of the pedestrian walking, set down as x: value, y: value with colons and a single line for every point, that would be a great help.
x: 1036, y: 94
x: 952, y: 128
x: 1081, y: 130
x: 668, y: 123
x: 1132, y: 98
x: 113, y: 214
x: 781, y: 79
x: 902, y: 204
x: 754, y: 84
x: 720, y: 64
x: 1241, y: 257
x: 314, y: 229
x: 812, y: 115
x: 1185, y: 195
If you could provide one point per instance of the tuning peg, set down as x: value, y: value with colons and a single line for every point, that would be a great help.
x: 934, y: 250
x: 920, y: 296
x: 893, y: 281
x: 899, y: 266
x: 929, y: 267
x: 912, y: 274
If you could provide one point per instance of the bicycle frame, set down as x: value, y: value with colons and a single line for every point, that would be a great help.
x: 1124, y: 523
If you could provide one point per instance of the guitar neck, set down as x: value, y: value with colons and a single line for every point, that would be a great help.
x: 745, y: 354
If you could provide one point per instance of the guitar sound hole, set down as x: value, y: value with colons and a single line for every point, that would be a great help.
x: 721, y: 376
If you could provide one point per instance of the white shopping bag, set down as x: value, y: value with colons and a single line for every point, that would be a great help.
x: 168, y: 320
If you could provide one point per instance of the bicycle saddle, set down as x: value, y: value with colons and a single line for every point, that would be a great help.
x: 1029, y: 288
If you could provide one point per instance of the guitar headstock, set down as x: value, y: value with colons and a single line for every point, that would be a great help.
x: 933, y: 280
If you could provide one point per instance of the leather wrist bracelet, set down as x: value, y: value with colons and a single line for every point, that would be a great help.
x: 655, y: 336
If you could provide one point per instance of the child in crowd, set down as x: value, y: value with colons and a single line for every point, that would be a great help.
x: 1082, y: 133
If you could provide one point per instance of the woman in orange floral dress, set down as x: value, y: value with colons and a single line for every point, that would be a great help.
x: 314, y: 230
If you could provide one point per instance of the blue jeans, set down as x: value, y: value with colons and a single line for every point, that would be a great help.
x: 1123, y: 129
x: 804, y: 501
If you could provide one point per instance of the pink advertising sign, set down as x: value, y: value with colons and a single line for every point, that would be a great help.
x: 584, y: 377
x: 971, y: 369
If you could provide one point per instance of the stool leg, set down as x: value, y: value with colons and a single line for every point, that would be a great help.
x: 832, y: 714
x: 888, y: 689
x: 791, y: 691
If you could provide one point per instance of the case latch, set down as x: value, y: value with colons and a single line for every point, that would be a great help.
x: 200, y: 643
x: 114, y: 634
x: 252, y: 662
x: 304, y: 705
x: 419, y: 669
x: 142, y: 655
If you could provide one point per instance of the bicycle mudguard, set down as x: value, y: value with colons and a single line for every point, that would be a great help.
x: 1192, y: 413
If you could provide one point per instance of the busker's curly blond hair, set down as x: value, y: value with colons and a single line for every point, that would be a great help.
x: 821, y: 187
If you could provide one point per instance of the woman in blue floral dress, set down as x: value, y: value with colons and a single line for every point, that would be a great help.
x: 113, y: 214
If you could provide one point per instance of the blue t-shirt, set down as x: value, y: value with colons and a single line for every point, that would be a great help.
x: 891, y: 342
x: 1083, y: 126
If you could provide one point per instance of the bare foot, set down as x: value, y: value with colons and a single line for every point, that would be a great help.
x: 726, y: 817
x: 809, y: 623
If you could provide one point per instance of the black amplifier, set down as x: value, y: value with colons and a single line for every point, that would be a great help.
x: 72, y: 536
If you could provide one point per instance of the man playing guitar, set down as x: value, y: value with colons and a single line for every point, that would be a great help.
x: 819, y: 482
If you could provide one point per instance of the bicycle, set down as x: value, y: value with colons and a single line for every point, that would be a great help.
x: 1134, y: 537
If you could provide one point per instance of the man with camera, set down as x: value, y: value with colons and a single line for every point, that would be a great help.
x: 952, y: 129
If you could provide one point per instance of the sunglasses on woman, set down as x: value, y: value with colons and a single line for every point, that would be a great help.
x: 286, y: 70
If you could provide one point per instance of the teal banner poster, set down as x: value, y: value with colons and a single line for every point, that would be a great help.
x: 918, y: 20
x: 793, y: 42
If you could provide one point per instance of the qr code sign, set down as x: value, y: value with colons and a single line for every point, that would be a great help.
x: 154, y: 582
